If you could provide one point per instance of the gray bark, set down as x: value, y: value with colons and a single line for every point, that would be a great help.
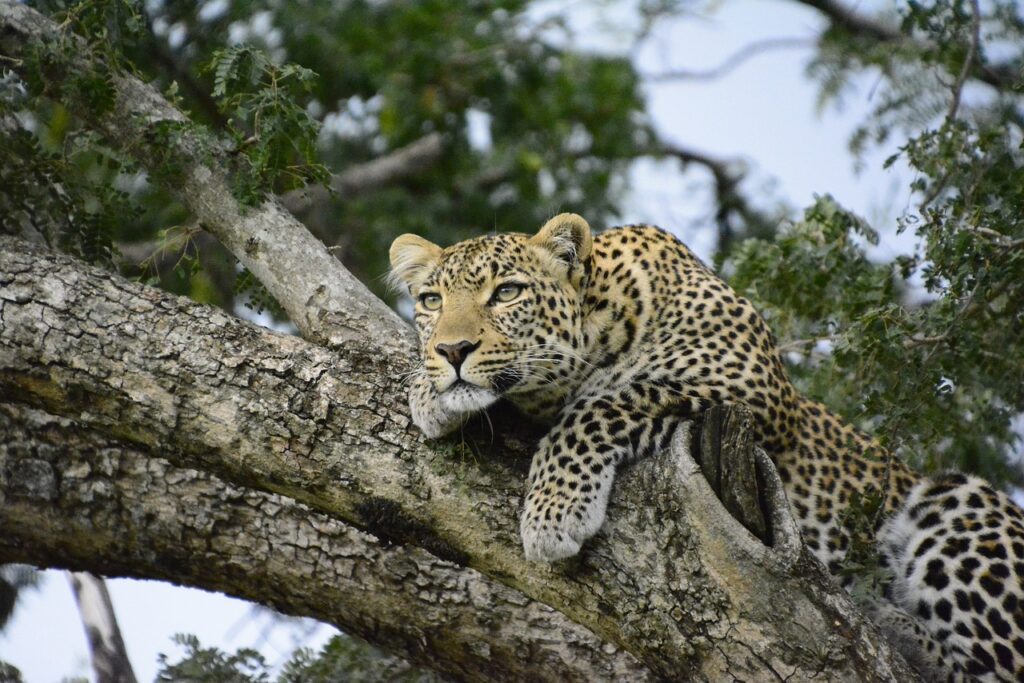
x: 73, y: 498
x: 205, y: 450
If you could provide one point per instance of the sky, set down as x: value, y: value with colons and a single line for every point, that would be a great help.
x: 763, y: 113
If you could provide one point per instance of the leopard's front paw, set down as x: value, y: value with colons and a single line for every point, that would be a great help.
x: 433, y: 420
x: 427, y: 411
x: 546, y: 542
x: 553, y: 528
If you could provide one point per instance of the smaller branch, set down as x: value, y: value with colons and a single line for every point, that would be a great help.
x: 730, y: 201
x: 922, y: 340
x: 853, y: 22
x: 800, y: 344
x: 998, y: 238
x: 158, y: 255
x: 1002, y: 77
x: 109, y: 657
x: 965, y: 70
x: 382, y: 171
x: 731, y: 62
x: 954, y: 105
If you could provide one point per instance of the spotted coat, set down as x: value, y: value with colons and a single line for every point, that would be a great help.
x: 614, y: 339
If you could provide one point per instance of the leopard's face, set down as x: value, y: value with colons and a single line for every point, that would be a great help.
x: 497, y: 316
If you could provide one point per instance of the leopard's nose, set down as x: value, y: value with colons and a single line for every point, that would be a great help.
x: 456, y: 353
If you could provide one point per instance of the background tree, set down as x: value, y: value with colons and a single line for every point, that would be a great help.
x: 441, y: 118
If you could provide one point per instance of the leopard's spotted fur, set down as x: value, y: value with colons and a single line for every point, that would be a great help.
x: 615, y: 339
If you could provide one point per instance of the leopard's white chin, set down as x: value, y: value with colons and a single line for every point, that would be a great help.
x: 462, y: 398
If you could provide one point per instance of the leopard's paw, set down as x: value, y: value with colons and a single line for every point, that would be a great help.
x: 428, y: 412
x: 545, y: 542
x: 433, y: 420
x: 553, y: 528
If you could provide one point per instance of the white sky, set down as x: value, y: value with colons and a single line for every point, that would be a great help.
x: 763, y: 112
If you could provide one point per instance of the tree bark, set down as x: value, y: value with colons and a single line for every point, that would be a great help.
x: 201, y: 449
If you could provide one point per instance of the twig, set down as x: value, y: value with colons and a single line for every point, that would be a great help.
x: 798, y: 344
x: 731, y: 62
x: 730, y: 200
x: 965, y: 69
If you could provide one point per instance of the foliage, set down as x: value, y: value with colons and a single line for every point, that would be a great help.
x: 348, y: 659
x: 926, y: 349
x: 266, y: 121
x: 69, y: 194
x: 530, y: 126
x: 342, y: 659
x: 211, y: 664
x: 9, y: 673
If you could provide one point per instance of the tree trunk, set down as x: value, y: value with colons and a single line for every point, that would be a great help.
x: 145, y: 435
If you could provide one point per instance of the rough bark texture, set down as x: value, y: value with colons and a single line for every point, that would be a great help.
x: 75, y: 499
x: 229, y: 457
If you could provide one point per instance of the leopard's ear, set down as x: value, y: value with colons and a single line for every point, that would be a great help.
x: 567, y: 236
x: 412, y: 260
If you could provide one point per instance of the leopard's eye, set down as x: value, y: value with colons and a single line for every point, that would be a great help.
x: 430, y: 300
x: 507, y: 292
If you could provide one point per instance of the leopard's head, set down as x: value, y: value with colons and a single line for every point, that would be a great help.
x: 500, y: 315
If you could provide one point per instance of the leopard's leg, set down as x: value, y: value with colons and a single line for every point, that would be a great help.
x: 574, y: 465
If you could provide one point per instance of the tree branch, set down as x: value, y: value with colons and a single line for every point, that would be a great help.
x: 730, y: 63
x: 1002, y: 77
x: 731, y: 202
x: 969, y: 61
x: 106, y: 646
x: 376, y: 173
x: 76, y: 499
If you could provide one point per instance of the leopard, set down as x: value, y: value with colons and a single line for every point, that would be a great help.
x: 613, y: 339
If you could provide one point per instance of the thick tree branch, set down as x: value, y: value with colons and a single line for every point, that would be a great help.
x: 354, y: 180
x: 75, y: 499
x: 277, y: 424
x: 680, y: 587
